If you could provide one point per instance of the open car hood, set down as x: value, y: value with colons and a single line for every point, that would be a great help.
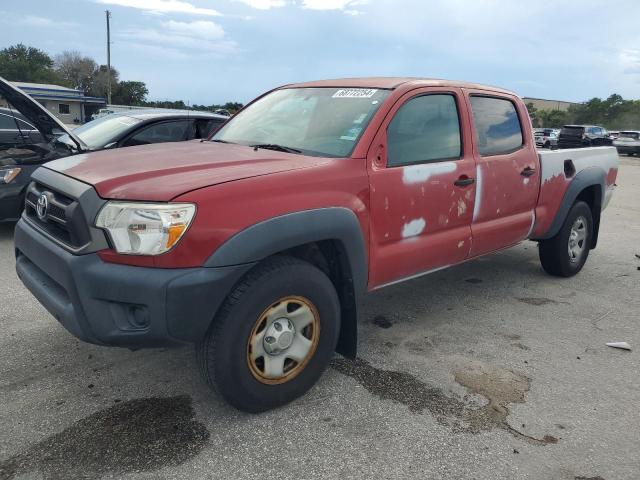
x: 48, y: 125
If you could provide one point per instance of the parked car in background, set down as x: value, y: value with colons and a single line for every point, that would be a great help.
x: 613, y: 134
x: 628, y: 142
x: 546, y: 137
x: 223, y: 111
x: 578, y: 136
x: 103, y: 112
x: 257, y: 245
x: 31, y: 136
x: 141, y: 127
x: 14, y: 127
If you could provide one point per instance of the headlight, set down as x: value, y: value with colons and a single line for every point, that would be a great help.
x: 8, y: 174
x: 145, y: 228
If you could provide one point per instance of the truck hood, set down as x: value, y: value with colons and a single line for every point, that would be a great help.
x: 162, y: 171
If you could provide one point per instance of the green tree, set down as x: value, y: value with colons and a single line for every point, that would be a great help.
x: 533, y: 114
x: 130, y: 93
x: 20, y: 63
x: 99, y: 82
x: 553, y: 118
x: 76, y: 71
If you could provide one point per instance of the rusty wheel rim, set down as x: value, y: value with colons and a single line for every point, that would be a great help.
x: 283, y: 340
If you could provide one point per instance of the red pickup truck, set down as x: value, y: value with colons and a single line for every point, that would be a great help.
x: 257, y: 244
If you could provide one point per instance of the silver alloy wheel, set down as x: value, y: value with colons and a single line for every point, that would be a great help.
x: 283, y: 340
x: 577, y: 239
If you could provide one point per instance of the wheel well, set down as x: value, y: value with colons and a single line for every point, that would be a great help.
x: 330, y: 256
x: 592, y: 196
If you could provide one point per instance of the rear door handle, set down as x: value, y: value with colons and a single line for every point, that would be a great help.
x: 463, y: 181
x: 527, y: 172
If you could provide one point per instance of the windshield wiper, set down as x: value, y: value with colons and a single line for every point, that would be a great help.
x: 275, y: 146
x: 221, y: 141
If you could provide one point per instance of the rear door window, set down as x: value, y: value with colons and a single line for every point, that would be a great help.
x: 497, y: 125
x: 425, y: 129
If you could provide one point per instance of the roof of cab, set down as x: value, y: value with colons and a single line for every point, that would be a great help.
x: 394, y: 82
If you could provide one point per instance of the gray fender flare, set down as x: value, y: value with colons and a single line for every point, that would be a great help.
x: 584, y: 179
x: 281, y: 233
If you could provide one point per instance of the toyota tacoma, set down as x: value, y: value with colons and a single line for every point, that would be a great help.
x: 257, y: 244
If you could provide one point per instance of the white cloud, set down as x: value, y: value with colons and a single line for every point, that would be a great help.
x: 348, y: 6
x: 198, y: 29
x: 42, y: 22
x: 182, y: 39
x: 630, y: 61
x: 264, y: 4
x: 162, y: 6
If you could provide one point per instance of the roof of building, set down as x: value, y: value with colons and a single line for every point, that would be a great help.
x: 45, y: 86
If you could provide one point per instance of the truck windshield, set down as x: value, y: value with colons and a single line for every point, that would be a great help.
x: 315, y: 121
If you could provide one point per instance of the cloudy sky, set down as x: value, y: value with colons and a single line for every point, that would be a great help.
x: 206, y: 51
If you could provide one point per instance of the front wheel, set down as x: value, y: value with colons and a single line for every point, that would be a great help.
x: 564, y: 254
x: 274, y: 336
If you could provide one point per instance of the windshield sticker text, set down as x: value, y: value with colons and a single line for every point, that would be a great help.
x: 355, y: 93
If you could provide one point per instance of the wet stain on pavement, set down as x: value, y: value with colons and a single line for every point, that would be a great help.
x: 537, y: 301
x: 499, y: 386
x: 400, y: 387
x: 589, y: 478
x: 133, y: 436
x: 473, y: 280
x: 382, y: 321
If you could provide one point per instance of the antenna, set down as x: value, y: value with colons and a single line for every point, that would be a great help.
x: 108, y: 15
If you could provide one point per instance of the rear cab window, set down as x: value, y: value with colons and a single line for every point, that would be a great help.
x: 497, y: 125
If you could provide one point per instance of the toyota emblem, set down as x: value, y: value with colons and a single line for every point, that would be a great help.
x: 42, y: 207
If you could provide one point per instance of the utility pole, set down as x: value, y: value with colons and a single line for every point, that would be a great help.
x: 108, y: 13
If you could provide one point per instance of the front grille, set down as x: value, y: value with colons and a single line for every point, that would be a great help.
x: 63, y: 219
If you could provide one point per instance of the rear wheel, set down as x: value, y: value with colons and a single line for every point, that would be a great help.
x: 274, y: 336
x: 564, y: 254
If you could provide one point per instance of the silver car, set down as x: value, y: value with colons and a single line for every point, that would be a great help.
x: 628, y: 142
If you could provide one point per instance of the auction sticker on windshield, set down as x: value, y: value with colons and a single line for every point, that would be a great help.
x: 355, y: 93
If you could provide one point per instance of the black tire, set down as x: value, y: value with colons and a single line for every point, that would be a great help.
x: 554, y: 253
x: 547, y: 145
x: 223, y: 354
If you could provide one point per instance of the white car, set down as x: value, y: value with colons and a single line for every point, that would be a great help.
x: 628, y: 142
x: 546, y: 137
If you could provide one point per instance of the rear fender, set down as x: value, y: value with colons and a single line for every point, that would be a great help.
x: 589, y: 177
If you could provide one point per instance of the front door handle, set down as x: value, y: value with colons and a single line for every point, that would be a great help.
x: 463, y: 181
x: 527, y: 172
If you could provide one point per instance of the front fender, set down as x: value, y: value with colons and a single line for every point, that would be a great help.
x: 281, y: 233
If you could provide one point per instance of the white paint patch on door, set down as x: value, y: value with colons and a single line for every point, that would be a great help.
x: 421, y: 173
x: 476, y: 203
x: 413, y: 228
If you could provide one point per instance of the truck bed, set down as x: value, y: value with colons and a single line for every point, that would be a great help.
x: 560, y: 168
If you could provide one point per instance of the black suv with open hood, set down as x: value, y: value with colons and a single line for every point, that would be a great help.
x: 30, y: 136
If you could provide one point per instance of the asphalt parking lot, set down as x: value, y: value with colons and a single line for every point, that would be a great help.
x: 491, y: 369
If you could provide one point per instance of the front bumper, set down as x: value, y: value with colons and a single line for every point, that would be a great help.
x: 121, y: 305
